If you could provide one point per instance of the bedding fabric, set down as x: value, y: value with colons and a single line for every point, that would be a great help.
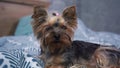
x: 18, y: 60
x: 19, y: 52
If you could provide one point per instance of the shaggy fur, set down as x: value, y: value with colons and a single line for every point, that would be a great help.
x: 55, y: 34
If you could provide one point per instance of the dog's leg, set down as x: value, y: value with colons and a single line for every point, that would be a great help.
x: 107, y: 57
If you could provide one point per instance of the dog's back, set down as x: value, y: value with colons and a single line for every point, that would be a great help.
x: 92, y: 55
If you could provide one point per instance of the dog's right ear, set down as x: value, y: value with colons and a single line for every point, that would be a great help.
x: 39, y: 16
x: 39, y: 12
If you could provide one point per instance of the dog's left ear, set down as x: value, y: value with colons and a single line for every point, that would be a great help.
x: 69, y: 14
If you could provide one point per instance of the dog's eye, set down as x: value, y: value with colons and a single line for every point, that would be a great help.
x: 64, y: 27
x: 49, y: 28
x: 42, y: 20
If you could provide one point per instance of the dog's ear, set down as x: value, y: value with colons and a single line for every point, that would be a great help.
x: 39, y: 16
x: 69, y: 14
x: 39, y: 12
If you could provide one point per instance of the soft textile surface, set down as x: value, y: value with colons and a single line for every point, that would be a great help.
x: 18, y: 60
x: 20, y: 43
x: 19, y: 52
x: 86, y: 34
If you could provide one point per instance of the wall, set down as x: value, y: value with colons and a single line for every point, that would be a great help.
x: 100, y: 15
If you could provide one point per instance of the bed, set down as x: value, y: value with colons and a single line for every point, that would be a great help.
x: 22, y: 49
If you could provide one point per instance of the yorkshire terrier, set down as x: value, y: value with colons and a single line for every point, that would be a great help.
x: 55, y: 34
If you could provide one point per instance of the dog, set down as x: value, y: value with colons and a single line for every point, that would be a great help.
x: 58, y: 49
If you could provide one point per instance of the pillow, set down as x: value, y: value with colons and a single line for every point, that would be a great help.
x: 18, y: 60
x: 24, y: 26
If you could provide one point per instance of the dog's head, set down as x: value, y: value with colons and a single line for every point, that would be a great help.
x: 55, y: 32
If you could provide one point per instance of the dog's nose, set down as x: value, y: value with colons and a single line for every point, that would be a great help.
x: 56, y: 24
x: 57, y: 37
